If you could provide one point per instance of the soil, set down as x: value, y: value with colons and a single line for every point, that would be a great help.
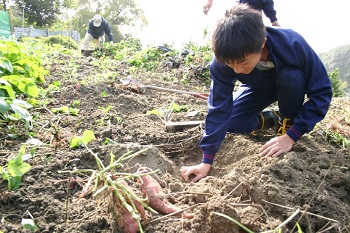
x: 311, y: 182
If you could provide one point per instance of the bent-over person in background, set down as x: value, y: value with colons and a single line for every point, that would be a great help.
x: 98, y: 27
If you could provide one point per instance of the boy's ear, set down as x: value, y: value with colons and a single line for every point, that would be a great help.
x: 263, y: 44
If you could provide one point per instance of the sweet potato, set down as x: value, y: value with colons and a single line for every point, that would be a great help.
x: 125, y: 219
x: 137, y: 204
x: 127, y: 222
x: 154, y: 192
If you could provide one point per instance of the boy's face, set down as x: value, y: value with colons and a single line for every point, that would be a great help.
x: 245, y: 66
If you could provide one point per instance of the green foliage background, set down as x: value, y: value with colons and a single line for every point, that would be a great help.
x: 338, y: 58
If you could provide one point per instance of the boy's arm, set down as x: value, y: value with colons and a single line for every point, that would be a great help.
x: 219, y: 109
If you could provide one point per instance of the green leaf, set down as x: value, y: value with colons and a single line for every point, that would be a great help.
x: 4, y: 82
x: 16, y: 166
x: 23, y: 113
x: 14, y: 182
x: 74, y: 111
x: 22, y: 103
x: 4, y: 85
x: 88, y: 136
x: 75, y: 142
x: 29, y: 224
x: 108, y: 141
x: 27, y: 85
x: 4, y: 106
x: 103, y: 94
x: 6, y: 64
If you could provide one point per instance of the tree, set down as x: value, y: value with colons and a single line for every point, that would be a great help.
x: 41, y: 12
x: 338, y: 86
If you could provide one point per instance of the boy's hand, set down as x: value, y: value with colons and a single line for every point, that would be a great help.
x: 200, y: 171
x: 276, y: 146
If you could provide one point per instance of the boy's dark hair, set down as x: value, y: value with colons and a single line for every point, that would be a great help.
x: 239, y: 33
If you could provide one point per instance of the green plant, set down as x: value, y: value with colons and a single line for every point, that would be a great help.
x: 14, y: 170
x: 338, y: 86
x: 65, y: 41
x: 87, y: 137
x: 29, y: 224
x: 337, y: 138
x: 66, y: 110
x: 174, y: 107
x: 148, y: 59
x: 20, y: 71
x: 12, y: 109
x: 106, y: 183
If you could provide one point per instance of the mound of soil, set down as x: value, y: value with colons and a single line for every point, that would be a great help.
x: 309, y: 185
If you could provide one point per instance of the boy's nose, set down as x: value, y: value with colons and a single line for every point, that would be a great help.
x: 238, y: 70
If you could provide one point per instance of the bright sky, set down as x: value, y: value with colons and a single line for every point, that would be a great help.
x: 323, y: 23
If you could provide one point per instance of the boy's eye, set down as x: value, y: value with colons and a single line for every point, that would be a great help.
x: 243, y: 63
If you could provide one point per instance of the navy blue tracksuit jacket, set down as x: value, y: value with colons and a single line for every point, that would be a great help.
x: 267, y: 6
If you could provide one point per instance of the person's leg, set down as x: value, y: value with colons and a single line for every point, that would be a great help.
x: 87, y: 39
x: 247, y: 105
x: 291, y: 86
x: 101, y: 41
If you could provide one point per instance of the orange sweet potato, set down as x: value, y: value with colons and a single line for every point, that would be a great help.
x: 154, y: 192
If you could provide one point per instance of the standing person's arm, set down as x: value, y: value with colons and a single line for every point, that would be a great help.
x: 108, y: 31
x: 270, y: 12
x: 207, y: 6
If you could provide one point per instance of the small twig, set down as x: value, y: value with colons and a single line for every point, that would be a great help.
x: 67, y: 197
x: 87, y: 185
x: 233, y: 190
x: 302, y: 211
x: 287, y: 220
x: 98, y: 160
x: 185, y: 192
x: 176, y: 212
x: 327, y: 229
x: 77, y: 171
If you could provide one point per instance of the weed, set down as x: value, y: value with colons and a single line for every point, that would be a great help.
x: 14, y: 170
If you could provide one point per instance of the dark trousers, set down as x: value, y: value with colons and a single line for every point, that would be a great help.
x: 287, y: 86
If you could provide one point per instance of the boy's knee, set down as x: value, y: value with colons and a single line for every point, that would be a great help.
x: 242, y: 125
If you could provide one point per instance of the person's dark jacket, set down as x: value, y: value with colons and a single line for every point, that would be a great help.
x: 267, y: 6
x: 286, y: 48
x: 96, y: 32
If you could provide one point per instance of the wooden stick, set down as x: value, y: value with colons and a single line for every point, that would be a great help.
x: 175, y: 126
